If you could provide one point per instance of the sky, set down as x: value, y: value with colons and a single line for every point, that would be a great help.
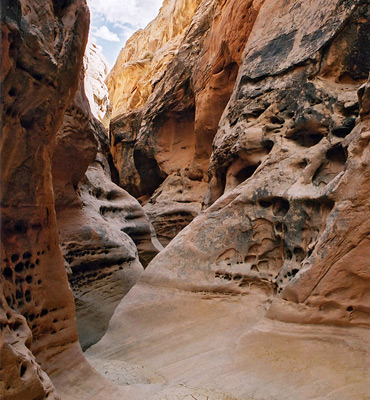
x: 114, y: 21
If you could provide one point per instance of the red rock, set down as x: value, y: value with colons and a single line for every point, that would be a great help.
x: 42, y: 50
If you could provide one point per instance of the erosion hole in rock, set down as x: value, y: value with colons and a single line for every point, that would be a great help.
x: 23, y: 370
x: 268, y: 145
x: 279, y: 227
x: 19, y: 267
x: 299, y: 254
x: 113, y: 194
x: 280, y: 206
x: 346, y: 128
x: 27, y: 255
x: 20, y: 227
x: 14, y: 257
x: 12, y: 92
x: 245, y: 173
x: 306, y: 138
x: 44, y: 311
x: 151, y: 176
x: 265, y: 203
x: 27, y: 121
x: 335, y: 160
x: 337, y: 154
x: 8, y: 273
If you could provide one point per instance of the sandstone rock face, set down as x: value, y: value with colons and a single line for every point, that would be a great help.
x: 147, y: 53
x: 103, y: 230
x: 164, y: 140
x: 269, y: 284
x: 42, y: 52
x: 42, y: 48
x: 265, y: 294
x: 96, y: 71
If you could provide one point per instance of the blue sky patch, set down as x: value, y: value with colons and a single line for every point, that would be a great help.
x: 114, y: 21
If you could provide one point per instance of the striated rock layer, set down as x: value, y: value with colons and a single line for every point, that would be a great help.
x: 269, y: 285
x: 42, y: 48
x: 162, y: 142
x: 103, y: 230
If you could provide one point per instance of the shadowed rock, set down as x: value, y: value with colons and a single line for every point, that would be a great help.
x: 103, y: 230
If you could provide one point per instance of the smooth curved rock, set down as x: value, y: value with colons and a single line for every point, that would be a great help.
x: 103, y: 230
x: 42, y: 49
x: 269, y: 283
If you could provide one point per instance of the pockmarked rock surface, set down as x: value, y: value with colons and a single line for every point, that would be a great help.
x: 42, y: 46
x: 105, y: 236
x: 168, y: 89
x: 269, y: 284
x: 42, y: 52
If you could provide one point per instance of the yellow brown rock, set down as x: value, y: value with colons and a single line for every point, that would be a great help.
x: 165, y: 140
x: 146, y: 55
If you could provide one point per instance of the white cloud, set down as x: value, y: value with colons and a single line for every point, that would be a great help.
x: 136, y: 13
x: 104, y: 33
x: 125, y: 31
x: 114, y: 21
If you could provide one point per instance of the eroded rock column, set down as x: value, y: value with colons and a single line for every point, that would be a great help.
x: 42, y: 49
x: 105, y: 236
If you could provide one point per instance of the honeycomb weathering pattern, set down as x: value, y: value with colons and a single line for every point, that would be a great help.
x: 42, y: 50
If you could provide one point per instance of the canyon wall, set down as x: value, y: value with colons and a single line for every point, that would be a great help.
x: 269, y: 284
x: 105, y: 236
x: 57, y: 175
x: 96, y: 71
x: 161, y: 144
x: 42, y: 49
x: 259, y: 111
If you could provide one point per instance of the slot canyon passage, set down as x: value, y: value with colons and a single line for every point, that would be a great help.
x: 194, y: 224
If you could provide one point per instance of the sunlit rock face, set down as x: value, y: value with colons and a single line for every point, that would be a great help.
x: 105, y: 236
x: 162, y: 142
x: 143, y: 61
x: 269, y: 284
x: 42, y: 48
x: 96, y: 71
